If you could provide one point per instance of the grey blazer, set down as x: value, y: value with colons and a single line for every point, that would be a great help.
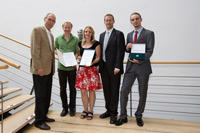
x: 147, y: 37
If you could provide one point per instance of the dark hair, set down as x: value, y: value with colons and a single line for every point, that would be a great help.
x: 109, y: 15
x: 136, y: 13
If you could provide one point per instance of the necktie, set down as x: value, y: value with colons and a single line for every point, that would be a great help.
x: 105, y: 45
x: 135, y: 37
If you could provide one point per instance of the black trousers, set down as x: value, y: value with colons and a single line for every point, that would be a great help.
x: 42, y: 87
x: 71, y: 77
x: 111, y: 84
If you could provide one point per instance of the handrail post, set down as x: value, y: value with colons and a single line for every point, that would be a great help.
x: 32, y: 90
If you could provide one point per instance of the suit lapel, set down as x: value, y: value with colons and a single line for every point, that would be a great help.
x: 141, y: 35
x: 111, y: 36
x: 46, y: 37
x: 131, y: 37
x: 52, y: 40
x: 103, y: 37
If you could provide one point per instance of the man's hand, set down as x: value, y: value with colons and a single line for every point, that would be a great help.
x: 41, y: 72
x: 116, y: 71
x: 129, y: 45
x: 134, y: 61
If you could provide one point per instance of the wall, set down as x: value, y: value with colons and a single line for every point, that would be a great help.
x: 175, y: 22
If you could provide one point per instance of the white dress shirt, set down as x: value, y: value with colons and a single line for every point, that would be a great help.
x: 49, y: 37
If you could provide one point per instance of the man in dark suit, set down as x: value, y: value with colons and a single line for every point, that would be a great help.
x: 136, y: 68
x: 43, y: 67
x: 111, y: 66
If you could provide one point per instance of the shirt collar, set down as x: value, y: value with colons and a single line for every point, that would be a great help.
x: 110, y: 31
x: 71, y: 36
x: 139, y: 30
x: 47, y: 30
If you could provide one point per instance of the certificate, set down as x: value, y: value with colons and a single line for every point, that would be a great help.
x: 67, y: 59
x: 138, y: 51
x: 87, y: 57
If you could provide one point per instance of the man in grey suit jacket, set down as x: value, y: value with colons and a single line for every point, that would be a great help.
x: 111, y: 66
x: 136, y: 68
x: 43, y: 67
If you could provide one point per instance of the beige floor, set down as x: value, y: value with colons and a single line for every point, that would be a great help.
x: 74, y: 124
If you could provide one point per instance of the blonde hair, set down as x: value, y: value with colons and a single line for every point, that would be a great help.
x: 92, y: 38
x: 67, y: 23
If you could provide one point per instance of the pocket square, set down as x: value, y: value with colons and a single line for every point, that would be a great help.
x: 142, y: 38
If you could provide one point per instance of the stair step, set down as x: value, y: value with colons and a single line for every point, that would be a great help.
x: 18, y: 120
x: 15, y: 102
x: 7, y: 91
x: 3, y: 82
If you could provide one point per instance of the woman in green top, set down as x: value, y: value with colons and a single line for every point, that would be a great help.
x: 67, y: 43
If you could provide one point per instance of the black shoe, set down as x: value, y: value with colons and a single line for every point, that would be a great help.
x: 50, y: 120
x: 121, y: 122
x: 113, y: 119
x: 64, y: 113
x: 104, y: 115
x: 72, y: 112
x: 43, y: 126
x: 139, y: 122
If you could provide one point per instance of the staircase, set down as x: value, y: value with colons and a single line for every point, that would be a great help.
x: 12, y: 102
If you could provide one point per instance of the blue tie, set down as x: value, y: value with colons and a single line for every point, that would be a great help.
x: 105, y: 45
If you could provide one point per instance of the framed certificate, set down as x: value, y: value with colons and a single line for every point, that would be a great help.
x: 138, y: 51
x: 87, y: 57
x: 67, y: 59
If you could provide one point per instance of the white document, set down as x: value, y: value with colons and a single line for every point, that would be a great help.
x: 87, y: 57
x: 67, y: 59
x: 138, y: 48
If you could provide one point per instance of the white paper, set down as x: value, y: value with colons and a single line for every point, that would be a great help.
x: 67, y: 59
x: 87, y: 57
x: 60, y: 57
x: 138, y: 48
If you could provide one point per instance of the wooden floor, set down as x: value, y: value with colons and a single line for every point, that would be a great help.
x: 74, y: 124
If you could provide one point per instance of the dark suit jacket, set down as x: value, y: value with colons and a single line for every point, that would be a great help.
x: 114, y: 52
x: 147, y: 37
x: 41, y: 53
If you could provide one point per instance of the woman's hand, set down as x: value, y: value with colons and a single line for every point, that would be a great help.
x: 79, y: 59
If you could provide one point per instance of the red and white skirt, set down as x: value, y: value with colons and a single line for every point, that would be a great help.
x: 88, y: 78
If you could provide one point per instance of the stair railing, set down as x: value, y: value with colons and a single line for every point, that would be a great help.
x: 9, y: 63
x: 153, y: 62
